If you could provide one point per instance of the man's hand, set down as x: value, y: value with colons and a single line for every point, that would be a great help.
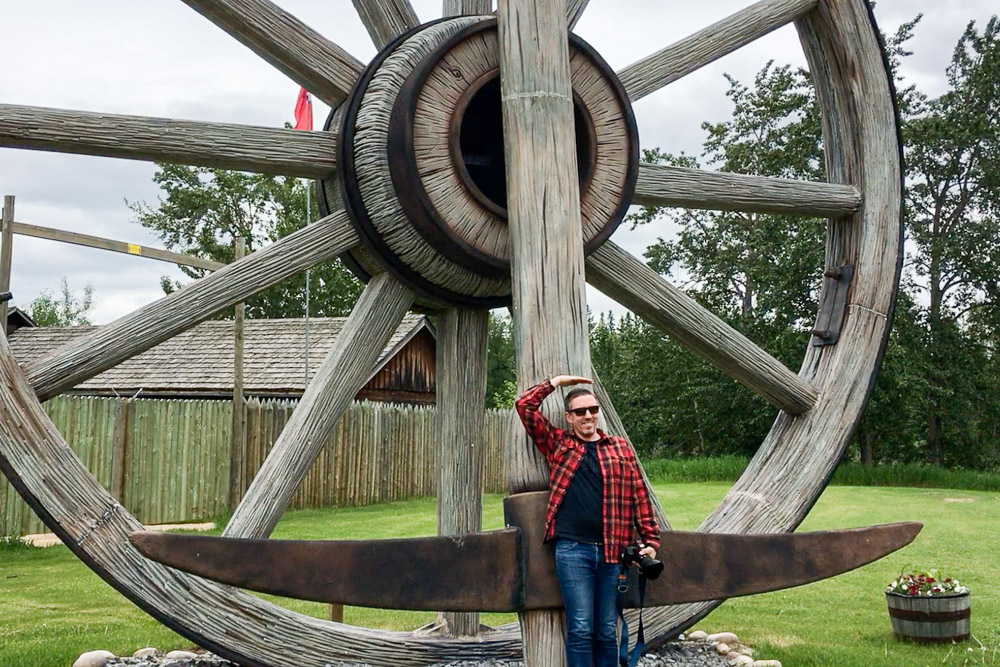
x: 648, y: 551
x: 567, y: 380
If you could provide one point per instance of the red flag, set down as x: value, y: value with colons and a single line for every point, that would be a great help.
x: 303, y: 111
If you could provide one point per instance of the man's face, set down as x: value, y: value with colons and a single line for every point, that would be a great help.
x: 585, y: 425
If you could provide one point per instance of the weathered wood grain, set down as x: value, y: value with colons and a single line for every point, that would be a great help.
x: 461, y: 408
x: 797, y: 457
x: 467, y: 7
x: 543, y: 206
x: 229, y: 622
x: 119, y: 450
x: 295, y: 49
x: 709, y: 44
x: 640, y: 289
x: 574, y: 10
x: 386, y: 19
x: 243, y: 147
x: 115, y: 246
x: 237, y: 437
x: 154, y: 323
x: 345, y: 370
x: 6, y: 252
x: 665, y: 185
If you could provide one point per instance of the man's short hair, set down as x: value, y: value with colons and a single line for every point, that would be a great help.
x: 579, y: 391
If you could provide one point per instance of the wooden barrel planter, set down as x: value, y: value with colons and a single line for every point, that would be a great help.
x: 937, y: 620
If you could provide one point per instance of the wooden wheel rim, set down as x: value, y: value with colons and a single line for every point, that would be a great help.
x: 859, y: 152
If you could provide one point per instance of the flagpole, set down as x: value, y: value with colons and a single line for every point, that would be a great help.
x: 304, y: 121
x: 306, y: 378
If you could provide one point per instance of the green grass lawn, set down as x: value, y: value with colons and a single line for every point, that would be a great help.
x: 52, y: 608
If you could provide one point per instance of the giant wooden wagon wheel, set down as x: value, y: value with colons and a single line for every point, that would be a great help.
x: 412, y: 168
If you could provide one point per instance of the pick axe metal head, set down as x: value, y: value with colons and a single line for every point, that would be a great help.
x: 511, y: 569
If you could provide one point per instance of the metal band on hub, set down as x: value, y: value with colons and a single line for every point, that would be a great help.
x: 421, y: 160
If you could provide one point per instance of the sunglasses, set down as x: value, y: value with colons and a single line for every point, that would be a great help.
x: 579, y: 412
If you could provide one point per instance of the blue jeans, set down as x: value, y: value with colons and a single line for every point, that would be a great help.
x: 589, y: 589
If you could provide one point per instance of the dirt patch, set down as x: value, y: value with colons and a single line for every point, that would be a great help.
x: 50, y: 540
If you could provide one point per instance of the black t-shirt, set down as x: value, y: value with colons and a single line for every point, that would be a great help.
x: 580, y: 516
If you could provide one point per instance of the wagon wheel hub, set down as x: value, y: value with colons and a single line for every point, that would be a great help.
x: 422, y: 155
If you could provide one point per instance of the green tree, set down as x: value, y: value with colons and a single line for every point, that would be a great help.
x: 501, y: 380
x: 953, y: 198
x: 204, y: 210
x: 65, y: 309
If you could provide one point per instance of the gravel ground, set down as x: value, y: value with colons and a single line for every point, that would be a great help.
x: 674, y: 654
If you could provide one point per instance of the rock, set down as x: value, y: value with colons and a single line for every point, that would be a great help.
x: 722, y: 648
x: 746, y: 650
x: 181, y: 655
x: 766, y: 663
x: 724, y: 637
x: 732, y: 655
x: 94, y: 659
x: 697, y: 635
x: 744, y: 661
x: 145, y: 653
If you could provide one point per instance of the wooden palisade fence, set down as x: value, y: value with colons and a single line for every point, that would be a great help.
x: 169, y: 460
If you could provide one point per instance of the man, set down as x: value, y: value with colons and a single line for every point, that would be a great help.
x: 597, y: 500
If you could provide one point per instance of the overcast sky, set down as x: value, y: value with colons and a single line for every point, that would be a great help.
x: 161, y: 58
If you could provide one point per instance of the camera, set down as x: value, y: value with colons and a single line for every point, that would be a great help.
x: 650, y: 567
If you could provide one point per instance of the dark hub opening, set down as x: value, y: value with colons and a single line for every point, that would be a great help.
x: 480, y: 143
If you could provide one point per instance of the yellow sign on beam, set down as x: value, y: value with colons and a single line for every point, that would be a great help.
x: 134, y: 249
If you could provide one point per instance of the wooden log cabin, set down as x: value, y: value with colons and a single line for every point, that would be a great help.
x: 199, y: 362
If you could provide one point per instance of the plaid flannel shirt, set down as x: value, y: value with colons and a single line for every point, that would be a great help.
x: 626, y: 504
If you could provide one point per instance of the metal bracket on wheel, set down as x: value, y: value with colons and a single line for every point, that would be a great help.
x: 837, y: 281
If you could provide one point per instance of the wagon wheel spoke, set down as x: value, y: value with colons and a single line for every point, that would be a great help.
x: 663, y: 185
x: 637, y: 287
x: 295, y: 49
x: 242, y: 147
x: 709, y: 44
x: 156, y: 322
x: 467, y: 7
x: 386, y: 19
x: 461, y: 409
x: 343, y: 373
x: 574, y: 10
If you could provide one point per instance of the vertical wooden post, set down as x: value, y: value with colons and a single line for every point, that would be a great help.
x: 6, y: 253
x: 237, y: 439
x: 119, y: 451
x: 337, y: 613
x: 543, y: 198
x: 461, y: 411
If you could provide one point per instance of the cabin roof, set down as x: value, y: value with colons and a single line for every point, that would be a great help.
x: 199, y: 362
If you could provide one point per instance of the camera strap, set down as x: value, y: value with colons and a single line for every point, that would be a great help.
x: 624, y: 659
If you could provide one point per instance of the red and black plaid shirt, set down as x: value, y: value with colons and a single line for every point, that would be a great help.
x: 626, y: 503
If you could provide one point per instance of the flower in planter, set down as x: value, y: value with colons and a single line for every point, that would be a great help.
x: 926, y: 583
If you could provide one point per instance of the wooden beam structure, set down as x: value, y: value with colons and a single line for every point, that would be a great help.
x: 629, y: 281
x: 348, y: 365
x: 543, y: 206
x: 292, y: 47
x: 709, y: 44
x: 386, y: 19
x: 467, y: 7
x: 140, y: 330
x: 665, y: 185
x: 242, y: 147
x: 125, y: 247
x: 461, y: 407
x: 6, y: 254
x: 237, y: 436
